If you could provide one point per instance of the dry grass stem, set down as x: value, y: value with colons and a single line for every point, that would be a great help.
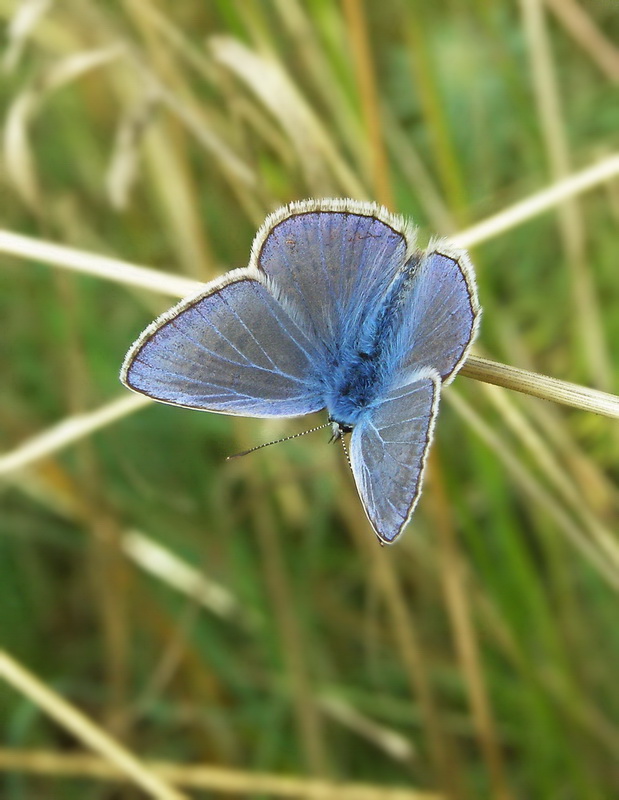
x: 322, y: 163
x: 536, y: 492
x: 365, y: 75
x: 542, y: 386
x: 396, y: 746
x: 602, y: 51
x: 174, y: 571
x: 26, y: 17
x: 458, y: 603
x: 111, y: 269
x: 85, y: 730
x: 67, y: 432
x: 208, y: 778
x: 538, y: 203
x: 586, y: 331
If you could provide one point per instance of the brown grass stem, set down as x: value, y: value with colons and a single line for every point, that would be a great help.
x: 85, y: 730
x: 205, y: 777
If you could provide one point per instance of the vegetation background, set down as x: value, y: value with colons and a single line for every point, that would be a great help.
x: 240, y: 616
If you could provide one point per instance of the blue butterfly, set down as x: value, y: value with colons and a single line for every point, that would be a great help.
x: 339, y: 310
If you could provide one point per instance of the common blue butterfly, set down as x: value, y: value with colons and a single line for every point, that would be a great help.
x: 337, y: 309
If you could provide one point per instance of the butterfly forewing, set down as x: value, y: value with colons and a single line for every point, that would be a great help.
x: 388, y: 449
x: 233, y: 350
x: 441, y: 314
x: 333, y: 266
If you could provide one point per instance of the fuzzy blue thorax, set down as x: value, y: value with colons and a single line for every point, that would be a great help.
x: 363, y: 365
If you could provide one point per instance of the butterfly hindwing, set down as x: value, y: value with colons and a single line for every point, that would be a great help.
x: 442, y: 312
x: 388, y: 450
x: 233, y: 349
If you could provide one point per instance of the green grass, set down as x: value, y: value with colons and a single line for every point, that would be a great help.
x: 486, y: 639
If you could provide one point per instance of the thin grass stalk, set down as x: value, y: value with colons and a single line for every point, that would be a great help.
x: 564, y: 484
x: 542, y: 386
x: 85, y: 730
x: 327, y: 82
x: 165, y: 565
x: 293, y: 649
x: 325, y: 169
x: 575, y: 184
x: 362, y: 55
x: 534, y: 490
x: 591, y: 340
x: 205, y: 777
x: 432, y: 106
x: 70, y: 430
x: 105, y: 267
x: 461, y: 619
x: 598, y: 489
x: 601, y: 50
x: 445, y: 769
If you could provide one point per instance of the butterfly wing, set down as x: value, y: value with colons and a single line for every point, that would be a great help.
x: 442, y: 312
x: 233, y: 349
x: 333, y: 260
x: 388, y: 451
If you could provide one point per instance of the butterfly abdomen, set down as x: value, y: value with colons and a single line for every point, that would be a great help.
x: 360, y: 370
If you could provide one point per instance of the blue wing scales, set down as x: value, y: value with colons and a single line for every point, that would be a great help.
x: 333, y: 261
x: 234, y: 349
x: 441, y: 315
x: 388, y: 450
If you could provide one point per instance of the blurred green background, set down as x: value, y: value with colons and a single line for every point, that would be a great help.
x: 478, y: 657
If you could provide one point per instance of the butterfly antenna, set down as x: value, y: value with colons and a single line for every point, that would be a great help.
x: 345, y: 448
x: 277, y: 441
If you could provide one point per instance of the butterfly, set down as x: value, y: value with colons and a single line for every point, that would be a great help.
x: 337, y: 310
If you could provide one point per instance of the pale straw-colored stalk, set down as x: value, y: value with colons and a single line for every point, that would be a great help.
x: 542, y: 386
x: 111, y: 269
x: 205, y: 777
x: 586, y: 340
x: 588, y: 34
x: 85, y: 730
x: 68, y: 431
x: 534, y: 205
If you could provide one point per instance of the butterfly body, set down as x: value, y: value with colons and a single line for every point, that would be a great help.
x: 339, y: 310
x: 366, y: 362
x: 352, y: 387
